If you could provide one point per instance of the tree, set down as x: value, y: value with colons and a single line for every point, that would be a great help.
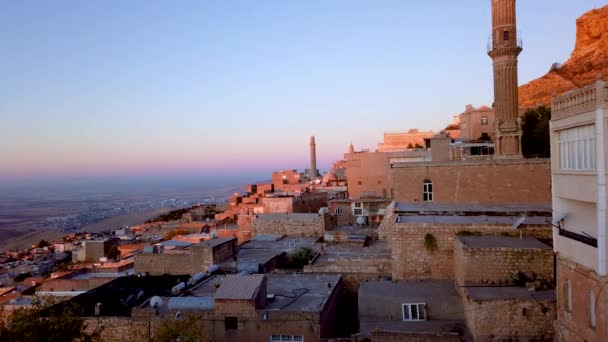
x: 300, y: 257
x: 535, y: 140
x: 113, y: 252
x: 42, y: 321
x: 42, y: 243
x: 186, y: 329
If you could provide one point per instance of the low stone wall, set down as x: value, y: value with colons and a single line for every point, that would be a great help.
x: 114, y: 329
x: 387, y: 336
x: 412, y: 260
x: 510, y: 319
x: 498, y: 265
x: 312, y: 225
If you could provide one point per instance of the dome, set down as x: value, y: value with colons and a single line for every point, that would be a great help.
x: 329, y: 177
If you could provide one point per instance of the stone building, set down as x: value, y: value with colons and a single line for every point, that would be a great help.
x: 476, y: 181
x: 395, y: 142
x: 93, y: 250
x: 476, y: 123
x: 189, y: 260
x: 272, y: 307
x: 579, y: 144
x: 422, y: 236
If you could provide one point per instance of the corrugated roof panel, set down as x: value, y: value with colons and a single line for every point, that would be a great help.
x: 239, y: 287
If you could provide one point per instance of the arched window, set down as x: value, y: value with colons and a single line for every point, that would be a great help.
x: 427, y: 191
x: 505, y: 35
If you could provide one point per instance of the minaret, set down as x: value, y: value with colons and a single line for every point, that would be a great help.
x: 351, y: 148
x: 504, y: 49
x: 313, y: 159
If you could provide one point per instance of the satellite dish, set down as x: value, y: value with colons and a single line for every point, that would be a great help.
x: 559, y: 217
x: 360, y: 220
x: 518, y: 223
x: 156, y: 302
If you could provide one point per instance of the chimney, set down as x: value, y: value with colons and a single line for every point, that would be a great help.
x: 313, y: 159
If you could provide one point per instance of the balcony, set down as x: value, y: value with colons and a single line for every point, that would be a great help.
x: 491, y: 46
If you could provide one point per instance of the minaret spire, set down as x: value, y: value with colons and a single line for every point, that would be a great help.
x: 504, y: 48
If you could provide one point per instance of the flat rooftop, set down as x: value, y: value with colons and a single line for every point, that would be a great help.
x: 213, y: 242
x: 339, y: 250
x: 481, y: 219
x: 284, y: 286
x: 473, y: 209
x: 508, y: 292
x: 311, y: 291
x: 408, y: 288
x: 499, y: 241
x: 287, y: 217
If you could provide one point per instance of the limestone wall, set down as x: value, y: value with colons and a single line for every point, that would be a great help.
x: 510, y: 319
x: 118, y: 329
x: 575, y: 325
x: 292, y: 225
x: 481, y: 182
x: 412, y: 260
x: 497, y: 265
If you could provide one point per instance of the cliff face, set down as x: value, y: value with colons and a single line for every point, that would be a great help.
x: 589, y: 58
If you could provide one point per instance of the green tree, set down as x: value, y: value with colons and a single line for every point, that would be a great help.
x: 42, y: 321
x: 535, y: 140
x: 186, y: 329
x: 300, y: 257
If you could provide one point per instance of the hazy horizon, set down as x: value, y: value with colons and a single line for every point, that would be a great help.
x: 230, y: 91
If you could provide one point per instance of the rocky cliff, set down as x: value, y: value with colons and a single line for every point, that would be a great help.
x: 589, y: 58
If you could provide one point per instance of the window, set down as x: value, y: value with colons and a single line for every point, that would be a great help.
x: 379, y: 182
x: 358, y: 205
x: 231, y: 323
x: 576, y: 148
x: 592, y: 318
x: 414, y: 312
x: 359, y: 182
x: 373, y: 207
x: 427, y: 191
x: 484, y: 120
x: 339, y: 211
x: 569, y: 295
x: 505, y: 35
x: 358, y: 212
x: 291, y: 338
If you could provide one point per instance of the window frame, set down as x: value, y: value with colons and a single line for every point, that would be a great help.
x: 427, y: 191
x: 339, y: 211
x: 358, y: 211
x: 576, y: 148
x: 420, y: 308
x: 484, y: 120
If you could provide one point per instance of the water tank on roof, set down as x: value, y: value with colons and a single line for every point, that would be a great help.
x: 212, y: 269
x: 196, y: 278
x: 178, y: 288
x: 151, y: 249
x: 324, y: 211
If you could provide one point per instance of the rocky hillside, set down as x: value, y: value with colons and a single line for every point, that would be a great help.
x: 589, y: 58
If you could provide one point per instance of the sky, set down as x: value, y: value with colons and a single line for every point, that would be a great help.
x: 234, y: 89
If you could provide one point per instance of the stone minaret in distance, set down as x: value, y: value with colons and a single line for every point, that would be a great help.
x: 504, y: 49
x: 313, y: 159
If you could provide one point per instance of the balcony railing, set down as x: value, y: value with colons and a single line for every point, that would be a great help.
x: 492, y: 46
x: 578, y: 237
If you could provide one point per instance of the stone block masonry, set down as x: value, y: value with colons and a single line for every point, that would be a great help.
x: 412, y: 260
x: 497, y: 264
x: 310, y: 225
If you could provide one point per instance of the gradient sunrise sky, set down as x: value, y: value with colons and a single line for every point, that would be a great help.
x: 169, y: 88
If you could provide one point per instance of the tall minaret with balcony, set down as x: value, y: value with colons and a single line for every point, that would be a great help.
x: 504, y: 48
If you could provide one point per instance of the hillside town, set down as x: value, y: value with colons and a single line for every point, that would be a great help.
x: 471, y: 233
